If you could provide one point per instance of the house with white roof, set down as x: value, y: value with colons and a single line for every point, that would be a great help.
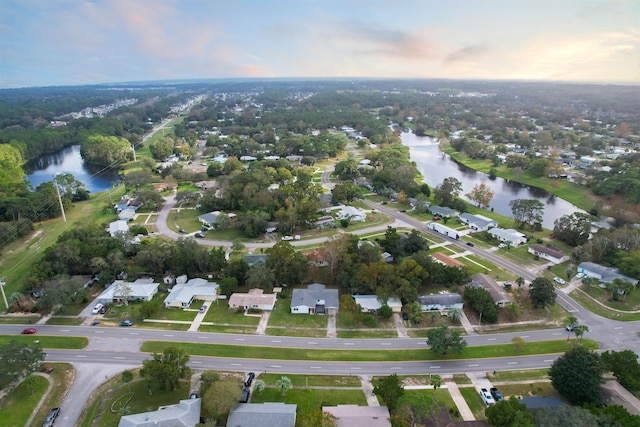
x: 443, y: 211
x: 371, y: 303
x: 184, y: 414
x: 351, y: 213
x: 141, y: 290
x: 442, y: 302
x: 509, y: 236
x: 255, y: 299
x: 118, y: 227
x: 183, y: 294
x: 602, y: 273
x: 478, y: 222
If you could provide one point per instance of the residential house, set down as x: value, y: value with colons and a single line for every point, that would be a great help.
x: 442, y: 302
x: 324, y: 221
x: 127, y: 214
x: 255, y: 259
x: 316, y: 299
x: 359, y: 416
x: 255, y: 299
x: 443, y: 229
x: 183, y: 294
x: 184, y: 414
x: 443, y: 211
x: 509, y: 236
x: 268, y: 414
x: 205, y: 185
x: 386, y: 257
x: 141, y: 290
x: 118, y: 227
x: 499, y: 295
x: 352, y: 214
x: 602, y: 273
x: 371, y: 303
x: 445, y: 259
x: 211, y: 219
x: 478, y: 222
x: 550, y: 253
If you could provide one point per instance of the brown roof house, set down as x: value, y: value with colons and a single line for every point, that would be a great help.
x: 549, y: 253
x: 254, y: 299
x: 500, y: 296
x: 445, y: 259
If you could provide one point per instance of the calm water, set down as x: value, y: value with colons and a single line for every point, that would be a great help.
x: 68, y: 160
x: 435, y: 167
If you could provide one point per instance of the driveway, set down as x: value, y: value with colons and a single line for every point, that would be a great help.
x: 331, y: 324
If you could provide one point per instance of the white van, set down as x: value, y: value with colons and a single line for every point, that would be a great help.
x: 97, y: 308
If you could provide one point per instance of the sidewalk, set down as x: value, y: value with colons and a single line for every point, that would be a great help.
x: 463, y: 408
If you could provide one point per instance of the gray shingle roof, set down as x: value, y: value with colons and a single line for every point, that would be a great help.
x: 315, y: 292
x: 268, y: 414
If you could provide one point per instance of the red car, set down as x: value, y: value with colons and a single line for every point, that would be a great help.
x: 29, y: 331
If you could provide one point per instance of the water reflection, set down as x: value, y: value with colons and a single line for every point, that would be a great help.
x: 436, y: 166
x: 68, y: 160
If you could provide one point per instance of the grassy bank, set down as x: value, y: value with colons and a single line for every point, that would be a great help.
x: 69, y: 343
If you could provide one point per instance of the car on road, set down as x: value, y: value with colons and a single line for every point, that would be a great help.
x: 570, y: 328
x: 470, y: 244
x: 249, y: 380
x: 403, y: 210
x: 497, y: 396
x: 486, y: 397
x: 287, y: 238
x: 51, y: 417
x: 203, y: 308
x: 558, y: 280
x: 126, y: 323
x: 199, y: 235
x: 29, y: 331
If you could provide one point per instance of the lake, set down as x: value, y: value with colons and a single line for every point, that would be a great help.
x: 68, y: 160
x: 435, y: 166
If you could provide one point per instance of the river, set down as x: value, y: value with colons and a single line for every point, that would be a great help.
x: 68, y: 160
x: 435, y: 166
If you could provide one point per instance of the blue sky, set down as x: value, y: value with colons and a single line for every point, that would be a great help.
x: 67, y: 42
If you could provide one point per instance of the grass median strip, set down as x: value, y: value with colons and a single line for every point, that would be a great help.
x: 69, y: 343
x: 334, y: 355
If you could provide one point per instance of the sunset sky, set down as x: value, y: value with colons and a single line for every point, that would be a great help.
x: 68, y: 42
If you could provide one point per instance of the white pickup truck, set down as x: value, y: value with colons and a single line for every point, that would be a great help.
x: 486, y: 397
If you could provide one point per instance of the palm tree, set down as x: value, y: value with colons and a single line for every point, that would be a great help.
x: 284, y: 385
x: 259, y: 386
x: 570, y: 321
x: 520, y: 281
x: 580, y: 330
x: 15, y: 299
x: 436, y: 382
x: 454, y: 315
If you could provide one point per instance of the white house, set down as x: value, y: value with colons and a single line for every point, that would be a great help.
x: 441, y: 302
x: 183, y: 294
x: 602, y: 273
x: 116, y: 227
x: 255, y: 299
x: 443, y: 211
x: 509, y: 236
x: 316, y: 299
x: 184, y: 414
x: 352, y: 214
x: 371, y: 303
x: 443, y: 229
x: 549, y: 253
x: 478, y: 222
x: 140, y: 290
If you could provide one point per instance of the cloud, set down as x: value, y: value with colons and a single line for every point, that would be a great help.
x: 466, y: 53
x: 367, y: 40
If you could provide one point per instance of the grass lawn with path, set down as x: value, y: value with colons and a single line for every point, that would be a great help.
x: 220, y: 313
x: 524, y: 375
x: 474, y: 401
x: 596, y: 308
x: 312, y: 380
x: 17, y: 406
x: 282, y: 316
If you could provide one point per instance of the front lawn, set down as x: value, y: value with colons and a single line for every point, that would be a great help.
x: 17, y: 406
x: 313, y: 380
x: 282, y: 316
x: 524, y: 375
x: 311, y: 400
x: 544, y: 389
x: 474, y: 401
x: 219, y: 313
x: 71, y: 321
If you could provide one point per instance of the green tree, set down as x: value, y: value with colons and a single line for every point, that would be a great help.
x: 436, y: 382
x: 385, y: 311
x: 571, y: 321
x: 480, y: 300
x: 109, y: 151
x: 518, y: 344
x: 259, y: 386
x: 126, y: 377
x: 289, y: 266
x: 509, y: 413
x: 219, y: 398
x: 284, y: 385
x: 346, y: 192
x: 206, y: 379
x: 443, y: 339
x: 577, y: 376
x: 527, y: 212
x: 390, y: 390
x: 542, y: 292
x: 537, y: 167
x: 18, y: 360
x: 481, y: 194
x: 137, y: 178
x: 259, y: 276
x: 580, y: 331
x: 166, y: 369
x: 573, y: 229
x: 416, y: 409
x: 347, y: 169
x: 625, y: 367
x: 520, y: 281
x: 446, y: 192
x: 454, y: 314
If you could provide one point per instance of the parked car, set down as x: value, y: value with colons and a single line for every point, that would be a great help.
x: 405, y: 315
x: 204, y: 229
x: 126, y: 323
x: 502, y: 245
x: 199, y: 234
x: 103, y: 310
x: 579, y: 275
x: 203, y: 308
x: 437, y: 218
x: 497, y: 396
x: 29, y: 331
x: 246, y: 393
x: 97, y: 308
x: 182, y: 230
x: 51, y: 417
x: 486, y: 397
x: 470, y: 244
x: 193, y: 396
x: 249, y: 380
x: 403, y: 210
x: 287, y: 238
x: 558, y: 280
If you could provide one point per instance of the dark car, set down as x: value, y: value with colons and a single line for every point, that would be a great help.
x: 246, y: 392
x: 496, y: 394
x: 204, y: 229
x: 182, y: 230
x: 29, y: 331
x: 193, y: 396
x: 405, y: 315
x: 126, y: 323
x: 403, y: 210
x: 199, y: 235
x: 569, y: 328
x: 470, y: 244
x: 103, y: 310
x: 249, y: 379
x: 51, y: 417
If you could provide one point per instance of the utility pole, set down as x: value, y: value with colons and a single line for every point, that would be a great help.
x: 2, y: 283
x: 60, y: 200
